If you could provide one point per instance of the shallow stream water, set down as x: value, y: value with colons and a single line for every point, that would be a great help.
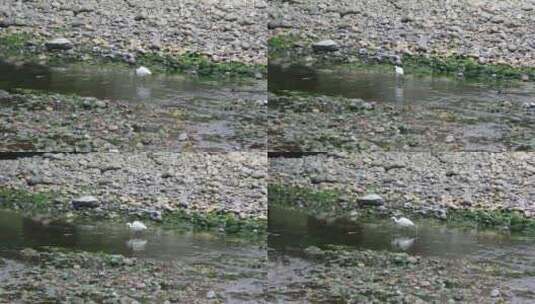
x: 381, y: 85
x: 291, y: 232
x: 120, y: 83
x: 440, y: 111
x: 215, y: 114
x: 227, y: 253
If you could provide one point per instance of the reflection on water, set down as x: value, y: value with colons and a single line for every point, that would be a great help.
x: 18, y: 232
x: 241, y: 260
x: 112, y: 82
x: 292, y: 231
x: 383, y: 86
x: 403, y: 243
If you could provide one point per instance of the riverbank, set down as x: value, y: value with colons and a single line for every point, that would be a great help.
x: 304, y: 122
x: 471, y: 38
x: 473, y: 188
x: 86, y: 124
x: 57, y: 275
x: 208, y: 38
x: 343, y: 274
x: 217, y: 191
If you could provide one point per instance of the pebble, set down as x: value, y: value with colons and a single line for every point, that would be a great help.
x: 211, y: 294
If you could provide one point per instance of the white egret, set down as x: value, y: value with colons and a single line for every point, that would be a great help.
x: 399, y: 71
x: 143, y: 71
x: 136, y: 226
x: 403, y: 222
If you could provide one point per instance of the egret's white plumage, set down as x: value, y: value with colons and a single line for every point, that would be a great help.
x: 403, y: 222
x: 136, y: 226
x: 143, y: 71
x: 399, y: 70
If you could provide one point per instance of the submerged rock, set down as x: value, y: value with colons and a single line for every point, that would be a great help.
x: 313, y: 252
x: 4, y: 95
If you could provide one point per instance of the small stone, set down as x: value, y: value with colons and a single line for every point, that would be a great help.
x: 406, y: 19
x: 495, y: 293
x: 412, y: 260
x: 183, y: 136
x: 449, y: 139
x: 325, y: 46
x: 168, y: 174
x: 4, y: 95
x: 100, y: 104
x: 59, y: 44
x: 371, y: 199
x: 140, y: 17
x: 29, y: 253
x: 156, y: 216
x: 116, y: 260
x: 39, y: 180
x: 524, y: 77
x: 87, y: 201
x: 211, y: 294
x: 313, y: 251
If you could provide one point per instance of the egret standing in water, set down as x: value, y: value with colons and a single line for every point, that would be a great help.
x: 136, y: 226
x: 142, y: 92
x: 399, y: 71
x: 403, y: 222
x: 143, y: 71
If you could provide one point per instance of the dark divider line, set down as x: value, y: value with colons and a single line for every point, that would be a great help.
x: 17, y: 155
x: 292, y: 154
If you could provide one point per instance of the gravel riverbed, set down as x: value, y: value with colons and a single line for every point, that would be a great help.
x: 51, y: 275
x: 340, y: 274
x: 488, y: 31
x: 68, y: 123
x: 223, y: 30
x: 431, y: 182
x: 298, y: 122
x: 232, y: 183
